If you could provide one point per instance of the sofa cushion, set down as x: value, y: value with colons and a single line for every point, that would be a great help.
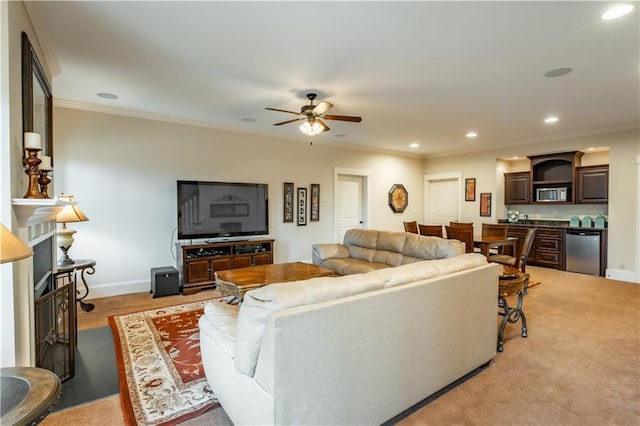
x: 357, y: 266
x: 220, y: 323
x: 321, y: 252
x: 361, y: 237
x: 431, y: 247
x: 407, y: 273
x: 459, y: 263
x: 387, y: 257
x: 362, y: 253
x: 391, y: 241
x: 258, y: 304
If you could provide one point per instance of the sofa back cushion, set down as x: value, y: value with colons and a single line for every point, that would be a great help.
x: 260, y: 303
x: 361, y: 243
x: 424, y: 247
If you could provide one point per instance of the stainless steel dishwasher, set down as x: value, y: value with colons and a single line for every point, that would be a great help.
x: 583, y: 251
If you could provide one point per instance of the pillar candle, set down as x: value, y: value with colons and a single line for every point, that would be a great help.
x: 46, y: 163
x: 32, y: 140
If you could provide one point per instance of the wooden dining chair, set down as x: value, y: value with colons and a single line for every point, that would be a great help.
x: 411, y: 227
x: 430, y: 230
x: 494, y: 230
x: 523, y: 247
x: 461, y: 233
x: 467, y: 224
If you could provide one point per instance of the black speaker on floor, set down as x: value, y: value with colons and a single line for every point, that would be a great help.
x: 164, y: 281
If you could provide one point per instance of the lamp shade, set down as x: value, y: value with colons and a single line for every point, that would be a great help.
x: 11, y: 248
x: 311, y: 129
x: 70, y: 212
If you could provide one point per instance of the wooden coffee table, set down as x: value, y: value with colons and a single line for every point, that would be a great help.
x: 236, y: 282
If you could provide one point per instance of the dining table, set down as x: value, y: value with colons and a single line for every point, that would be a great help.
x: 487, y: 242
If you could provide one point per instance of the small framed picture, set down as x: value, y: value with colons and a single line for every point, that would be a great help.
x: 287, y: 192
x: 470, y: 189
x: 315, y: 202
x: 302, y: 206
x: 485, y: 204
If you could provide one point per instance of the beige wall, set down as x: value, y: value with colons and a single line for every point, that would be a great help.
x: 123, y: 171
x: 624, y: 190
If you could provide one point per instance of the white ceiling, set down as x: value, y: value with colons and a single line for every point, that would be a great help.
x: 424, y: 72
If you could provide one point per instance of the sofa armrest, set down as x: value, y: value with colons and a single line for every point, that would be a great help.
x: 322, y: 252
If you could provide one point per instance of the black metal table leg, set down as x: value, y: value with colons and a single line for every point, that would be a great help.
x: 511, y: 315
x: 86, y: 306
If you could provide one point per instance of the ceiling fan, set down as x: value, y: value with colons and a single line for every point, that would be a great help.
x: 312, y: 114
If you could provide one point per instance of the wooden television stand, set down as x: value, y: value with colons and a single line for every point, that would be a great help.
x: 198, y: 263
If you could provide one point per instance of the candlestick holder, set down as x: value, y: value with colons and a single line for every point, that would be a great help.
x: 44, y: 180
x: 31, y: 169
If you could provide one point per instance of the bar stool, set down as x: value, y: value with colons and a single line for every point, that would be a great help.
x: 512, y: 281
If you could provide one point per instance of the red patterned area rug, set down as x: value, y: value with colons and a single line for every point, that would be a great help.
x: 160, y: 369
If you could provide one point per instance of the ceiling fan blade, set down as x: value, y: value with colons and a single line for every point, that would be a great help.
x: 289, y: 121
x: 325, y: 128
x: 343, y: 118
x: 321, y: 108
x: 283, y: 110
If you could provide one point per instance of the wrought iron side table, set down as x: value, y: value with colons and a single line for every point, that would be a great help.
x: 511, y: 282
x: 84, y: 266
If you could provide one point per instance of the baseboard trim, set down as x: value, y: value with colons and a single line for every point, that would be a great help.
x: 620, y: 275
x: 108, y: 290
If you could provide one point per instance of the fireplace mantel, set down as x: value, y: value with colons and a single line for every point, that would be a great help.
x: 37, y: 210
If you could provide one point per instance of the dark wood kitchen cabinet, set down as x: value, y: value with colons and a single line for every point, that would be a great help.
x: 549, y: 248
x: 593, y: 184
x: 517, y: 188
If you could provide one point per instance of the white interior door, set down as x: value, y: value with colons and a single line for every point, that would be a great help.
x: 442, y: 198
x: 350, y: 204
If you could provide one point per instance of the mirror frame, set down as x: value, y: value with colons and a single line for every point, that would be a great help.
x: 32, y: 74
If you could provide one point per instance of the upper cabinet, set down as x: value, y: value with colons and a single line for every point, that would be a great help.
x: 592, y: 185
x: 554, y: 172
x: 558, y: 179
x: 517, y: 188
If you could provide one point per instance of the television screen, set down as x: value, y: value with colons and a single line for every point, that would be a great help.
x: 222, y: 209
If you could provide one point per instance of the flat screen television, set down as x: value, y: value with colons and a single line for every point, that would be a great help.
x: 222, y: 209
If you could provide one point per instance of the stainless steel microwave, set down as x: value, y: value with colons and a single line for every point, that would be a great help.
x: 551, y: 194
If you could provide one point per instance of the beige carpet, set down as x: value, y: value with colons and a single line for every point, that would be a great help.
x: 580, y: 365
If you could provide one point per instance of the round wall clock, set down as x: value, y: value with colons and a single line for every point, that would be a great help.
x: 398, y: 198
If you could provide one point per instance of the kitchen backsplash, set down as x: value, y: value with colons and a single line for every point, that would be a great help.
x: 558, y: 212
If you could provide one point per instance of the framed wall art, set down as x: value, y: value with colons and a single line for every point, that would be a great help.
x: 485, y: 204
x: 315, y: 202
x: 37, y: 101
x: 287, y: 204
x: 302, y: 206
x: 470, y: 189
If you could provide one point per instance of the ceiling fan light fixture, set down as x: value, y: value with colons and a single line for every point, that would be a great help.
x: 311, y: 129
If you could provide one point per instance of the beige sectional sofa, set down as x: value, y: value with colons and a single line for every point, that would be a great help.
x: 353, y: 349
x: 366, y: 250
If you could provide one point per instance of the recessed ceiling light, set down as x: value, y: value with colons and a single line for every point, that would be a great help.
x: 591, y: 149
x: 515, y: 157
x: 471, y: 134
x: 617, y: 11
x: 558, y: 72
x: 105, y: 95
x: 551, y: 119
x: 414, y: 145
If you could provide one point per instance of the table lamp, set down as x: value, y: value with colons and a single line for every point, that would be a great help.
x: 70, y: 213
x: 11, y: 248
